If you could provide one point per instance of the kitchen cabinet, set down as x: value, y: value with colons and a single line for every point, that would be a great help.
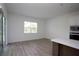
x: 63, y: 50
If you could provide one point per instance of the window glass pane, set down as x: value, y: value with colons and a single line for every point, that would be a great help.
x: 33, y: 27
x: 26, y: 24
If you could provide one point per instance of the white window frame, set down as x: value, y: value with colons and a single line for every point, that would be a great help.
x: 30, y: 26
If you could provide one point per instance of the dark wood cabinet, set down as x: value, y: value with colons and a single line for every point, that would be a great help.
x: 55, y: 49
x: 62, y: 50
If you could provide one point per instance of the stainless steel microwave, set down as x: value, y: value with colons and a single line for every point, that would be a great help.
x: 74, y: 28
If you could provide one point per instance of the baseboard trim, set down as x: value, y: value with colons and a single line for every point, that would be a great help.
x: 27, y: 40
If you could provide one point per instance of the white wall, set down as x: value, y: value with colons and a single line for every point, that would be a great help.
x: 16, y: 28
x: 59, y: 27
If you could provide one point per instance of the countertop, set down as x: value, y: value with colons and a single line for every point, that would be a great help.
x: 67, y: 42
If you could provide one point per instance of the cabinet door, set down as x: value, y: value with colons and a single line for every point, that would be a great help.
x: 68, y: 51
x: 55, y: 49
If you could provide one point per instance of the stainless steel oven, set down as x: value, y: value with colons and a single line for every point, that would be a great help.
x: 74, y: 32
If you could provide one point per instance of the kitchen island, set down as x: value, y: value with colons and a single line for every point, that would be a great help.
x: 65, y: 47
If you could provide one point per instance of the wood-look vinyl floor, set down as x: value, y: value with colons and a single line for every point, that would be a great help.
x: 41, y: 47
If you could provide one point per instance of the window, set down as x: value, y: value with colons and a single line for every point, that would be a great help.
x: 30, y: 27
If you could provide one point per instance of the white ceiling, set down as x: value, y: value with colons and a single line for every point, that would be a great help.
x: 41, y: 10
